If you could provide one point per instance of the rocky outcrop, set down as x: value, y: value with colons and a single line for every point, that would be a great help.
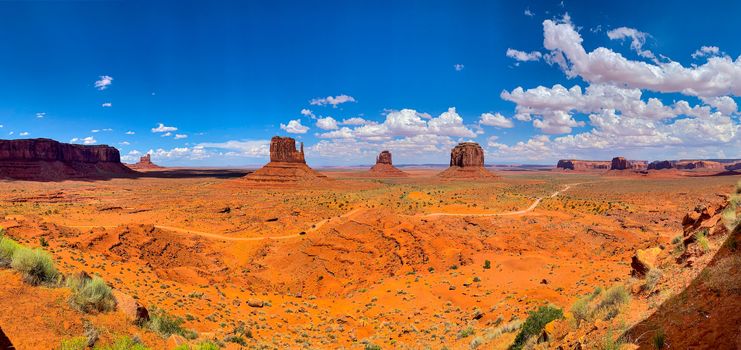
x: 287, y: 167
x: 643, y: 261
x: 582, y: 165
x: 145, y: 162
x: 660, y: 165
x: 134, y: 312
x: 45, y: 159
x: 283, y: 149
x: 466, y: 162
x: 620, y: 163
x: 699, y: 165
x: 384, y: 167
x: 5, y: 343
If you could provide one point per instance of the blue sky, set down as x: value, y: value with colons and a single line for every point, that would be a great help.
x: 416, y: 76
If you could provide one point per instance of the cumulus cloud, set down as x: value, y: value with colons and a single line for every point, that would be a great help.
x: 106, y: 104
x: 86, y: 141
x: 497, y: 120
x: 104, y: 82
x: 242, y: 148
x: 523, y: 56
x: 458, y: 67
x: 24, y: 133
x: 308, y: 113
x: 637, y: 39
x: 327, y: 123
x: 130, y: 132
x: 180, y: 136
x: 331, y: 100
x: 719, y: 76
x: 529, y: 13
x: 162, y: 128
x: 356, y: 121
x: 40, y: 115
x: 706, y: 51
x: 294, y: 127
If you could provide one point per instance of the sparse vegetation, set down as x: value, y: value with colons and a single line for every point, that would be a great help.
x: 659, y: 339
x: 7, y: 248
x: 702, y: 240
x: 35, y: 265
x: 487, y: 264
x: 599, y: 305
x: 652, y: 278
x: 76, y: 343
x: 166, y: 325
x: 466, y: 332
x: 90, y: 294
x: 534, y: 324
x: 123, y: 343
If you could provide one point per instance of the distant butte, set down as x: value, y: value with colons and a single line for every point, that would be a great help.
x: 50, y: 160
x: 287, y: 166
x: 145, y: 163
x: 467, y: 162
x: 385, y: 168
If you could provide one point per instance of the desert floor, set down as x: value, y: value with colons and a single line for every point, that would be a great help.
x: 401, y: 263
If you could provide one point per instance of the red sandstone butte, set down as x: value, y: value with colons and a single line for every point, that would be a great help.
x: 466, y: 162
x: 582, y: 165
x: 50, y: 160
x: 385, y: 168
x: 287, y: 166
x: 144, y: 163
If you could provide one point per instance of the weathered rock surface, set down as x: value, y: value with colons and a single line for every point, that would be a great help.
x: 466, y: 162
x: 660, y: 165
x: 287, y: 166
x: 5, y: 342
x: 620, y: 163
x: 45, y: 159
x: 145, y: 162
x: 582, y: 165
x: 385, y: 168
x: 699, y: 164
x: 643, y: 261
x: 134, y: 312
x: 283, y: 149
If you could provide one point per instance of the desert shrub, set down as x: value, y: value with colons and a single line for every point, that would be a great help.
x: 76, y: 343
x: 609, y: 342
x: 652, y: 278
x: 487, y: 264
x: 476, y: 342
x: 677, y: 239
x: 166, y: 325
x: 615, y: 296
x: 535, y: 323
x: 123, y: 343
x: 581, y: 311
x: 466, y: 332
x: 659, y: 339
x: 702, y: 240
x: 91, y: 295
x: 43, y: 242
x: 35, y: 265
x: 7, y: 249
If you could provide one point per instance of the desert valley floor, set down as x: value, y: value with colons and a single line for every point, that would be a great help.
x: 409, y: 263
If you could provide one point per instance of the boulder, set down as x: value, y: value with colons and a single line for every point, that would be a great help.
x: 134, y: 312
x: 254, y: 302
x: 45, y: 159
x: 643, y: 261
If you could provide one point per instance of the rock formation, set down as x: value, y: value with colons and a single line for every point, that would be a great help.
x: 144, y: 163
x: 287, y: 166
x: 466, y: 162
x: 385, y: 168
x: 45, y: 159
x: 689, y: 165
x: 660, y: 165
x: 619, y: 163
x: 4, y: 341
x: 582, y: 165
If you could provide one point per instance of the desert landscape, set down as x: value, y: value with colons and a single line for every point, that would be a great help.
x: 288, y: 257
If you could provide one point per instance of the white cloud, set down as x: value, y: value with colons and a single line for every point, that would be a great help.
x: 332, y: 100
x: 103, y: 82
x: 523, y: 56
x: 124, y: 143
x: 294, y: 127
x: 87, y: 140
x: 638, y: 39
x: 308, y: 113
x: 180, y: 136
x: 706, y: 51
x: 458, y: 67
x: 327, y: 123
x: 40, y: 115
x: 24, y: 133
x: 106, y: 104
x: 167, y: 134
x: 130, y: 132
x: 356, y: 121
x: 529, y: 13
x: 497, y: 120
x: 162, y: 128
x: 94, y: 130
x: 244, y: 148
x: 720, y: 76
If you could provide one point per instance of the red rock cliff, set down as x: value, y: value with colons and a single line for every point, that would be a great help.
x: 384, y: 158
x: 283, y: 149
x: 467, y: 154
x: 582, y: 165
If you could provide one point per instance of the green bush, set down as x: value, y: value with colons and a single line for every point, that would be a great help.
x: 702, y: 240
x: 76, y: 343
x: 535, y: 323
x: 35, y: 265
x: 7, y: 249
x: 615, y: 296
x: 466, y: 332
x: 166, y: 325
x: 90, y: 294
x: 659, y: 339
x: 123, y: 343
x: 580, y: 310
x: 652, y: 278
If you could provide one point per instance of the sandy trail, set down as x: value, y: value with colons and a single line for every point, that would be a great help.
x: 321, y: 223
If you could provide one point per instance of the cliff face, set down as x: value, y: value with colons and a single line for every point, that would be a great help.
x: 384, y: 158
x: 45, y: 159
x: 689, y: 165
x: 283, y: 149
x: 582, y: 165
x: 467, y: 154
x: 50, y: 150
